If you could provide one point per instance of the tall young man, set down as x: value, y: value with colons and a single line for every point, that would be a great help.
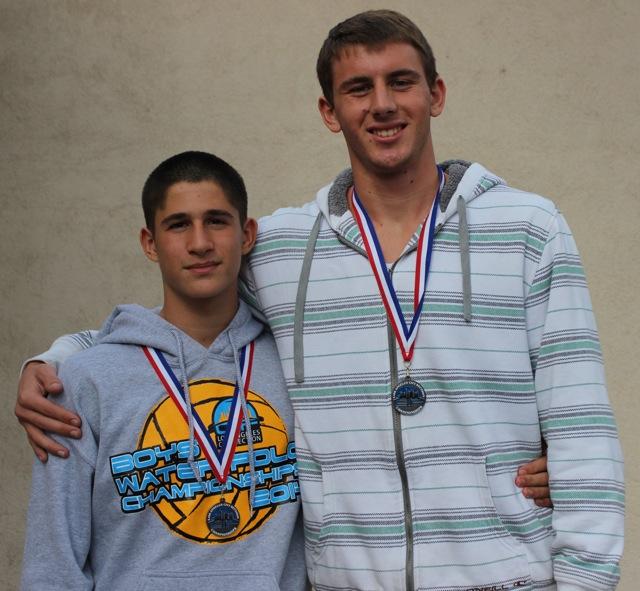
x: 185, y: 474
x: 432, y: 322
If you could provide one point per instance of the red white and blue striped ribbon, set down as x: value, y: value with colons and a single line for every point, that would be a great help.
x: 219, y: 461
x: 405, y: 334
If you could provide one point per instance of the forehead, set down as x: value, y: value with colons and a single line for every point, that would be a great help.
x: 194, y: 198
x: 363, y: 60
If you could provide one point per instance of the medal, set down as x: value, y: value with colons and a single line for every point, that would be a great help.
x: 219, y: 460
x: 223, y: 519
x: 408, y: 397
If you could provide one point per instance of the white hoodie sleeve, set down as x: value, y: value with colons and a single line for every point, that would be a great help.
x: 576, y: 420
x: 65, y: 346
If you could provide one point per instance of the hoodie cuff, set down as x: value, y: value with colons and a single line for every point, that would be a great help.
x: 37, y: 359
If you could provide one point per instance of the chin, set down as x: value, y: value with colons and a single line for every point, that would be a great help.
x: 390, y: 167
x: 389, y: 160
x: 207, y: 295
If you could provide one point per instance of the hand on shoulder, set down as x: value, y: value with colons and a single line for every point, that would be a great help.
x: 37, y: 414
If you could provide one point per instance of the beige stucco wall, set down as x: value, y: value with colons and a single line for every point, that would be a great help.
x: 94, y: 94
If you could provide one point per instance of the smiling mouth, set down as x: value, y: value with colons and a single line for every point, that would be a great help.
x: 386, y: 132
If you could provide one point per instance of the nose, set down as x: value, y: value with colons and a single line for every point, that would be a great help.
x: 383, y: 100
x: 200, y: 242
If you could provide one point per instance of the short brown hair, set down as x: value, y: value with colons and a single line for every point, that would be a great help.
x: 192, y: 167
x: 373, y: 28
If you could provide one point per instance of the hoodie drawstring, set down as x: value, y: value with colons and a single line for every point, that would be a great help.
x: 185, y: 386
x: 303, y: 283
x: 246, y: 419
x: 465, y: 260
x: 301, y: 298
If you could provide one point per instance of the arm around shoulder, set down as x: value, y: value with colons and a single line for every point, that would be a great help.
x: 38, y: 380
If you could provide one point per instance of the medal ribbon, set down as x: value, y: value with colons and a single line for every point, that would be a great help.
x: 405, y: 335
x: 219, y: 461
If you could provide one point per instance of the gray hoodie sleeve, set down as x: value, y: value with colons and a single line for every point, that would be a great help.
x: 58, y: 537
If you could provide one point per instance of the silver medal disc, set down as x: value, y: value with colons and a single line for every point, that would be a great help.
x: 223, y: 519
x: 408, y: 397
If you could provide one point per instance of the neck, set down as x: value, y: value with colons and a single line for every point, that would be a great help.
x: 397, y: 204
x: 203, y: 320
x: 407, y: 195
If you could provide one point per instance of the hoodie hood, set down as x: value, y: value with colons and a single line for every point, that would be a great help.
x: 131, y: 324
x: 463, y: 179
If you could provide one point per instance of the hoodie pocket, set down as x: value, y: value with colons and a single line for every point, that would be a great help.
x: 527, y: 527
x: 210, y: 580
x: 347, y: 555
x: 460, y: 540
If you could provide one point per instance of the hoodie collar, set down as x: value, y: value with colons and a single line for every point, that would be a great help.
x: 131, y: 324
x: 463, y: 179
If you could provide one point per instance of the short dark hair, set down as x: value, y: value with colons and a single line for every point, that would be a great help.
x: 373, y: 28
x: 192, y: 167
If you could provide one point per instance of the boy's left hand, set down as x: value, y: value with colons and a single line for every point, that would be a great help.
x: 533, y: 479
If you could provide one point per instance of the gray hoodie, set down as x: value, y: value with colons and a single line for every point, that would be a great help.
x: 135, y: 505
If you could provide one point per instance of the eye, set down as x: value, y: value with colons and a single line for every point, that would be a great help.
x: 401, y: 83
x: 359, y: 89
x: 180, y: 225
x: 214, y: 221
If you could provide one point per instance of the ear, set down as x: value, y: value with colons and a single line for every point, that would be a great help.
x: 328, y: 114
x: 148, y: 244
x: 438, y: 97
x: 249, y: 234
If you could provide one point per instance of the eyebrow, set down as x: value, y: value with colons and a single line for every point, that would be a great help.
x: 181, y: 216
x: 407, y: 72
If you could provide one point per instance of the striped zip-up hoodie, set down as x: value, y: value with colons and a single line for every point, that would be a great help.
x: 507, y: 352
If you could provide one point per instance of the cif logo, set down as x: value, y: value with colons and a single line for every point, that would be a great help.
x: 220, y: 420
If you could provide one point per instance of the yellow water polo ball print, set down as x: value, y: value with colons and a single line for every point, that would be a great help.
x: 158, y: 474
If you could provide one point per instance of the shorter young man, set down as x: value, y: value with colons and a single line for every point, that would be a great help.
x: 185, y: 475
